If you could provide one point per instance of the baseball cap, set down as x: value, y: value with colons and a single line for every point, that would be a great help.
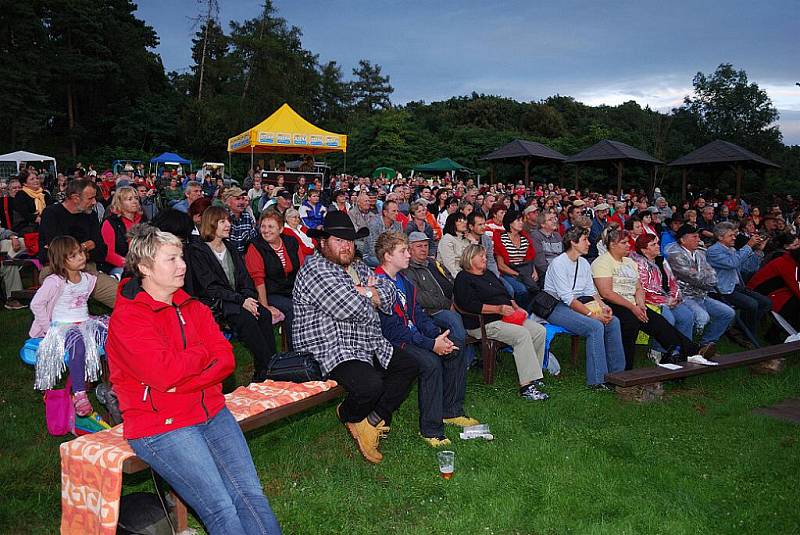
x: 417, y: 236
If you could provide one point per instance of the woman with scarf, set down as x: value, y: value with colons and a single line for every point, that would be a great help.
x: 29, y: 204
x: 125, y: 212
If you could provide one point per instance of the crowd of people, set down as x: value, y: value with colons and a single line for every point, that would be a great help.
x: 381, y: 281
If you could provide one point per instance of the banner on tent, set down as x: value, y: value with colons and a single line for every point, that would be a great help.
x: 266, y: 137
x: 242, y: 140
x: 331, y: 141
x: 284, y: 139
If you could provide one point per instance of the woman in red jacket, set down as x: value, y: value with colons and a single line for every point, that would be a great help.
x: 167, y: 359
x: 779, y: 280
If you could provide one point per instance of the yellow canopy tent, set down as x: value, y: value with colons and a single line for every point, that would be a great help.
x: 285, y: 131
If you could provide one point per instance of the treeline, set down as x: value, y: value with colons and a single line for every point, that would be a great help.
x: 79, y: 80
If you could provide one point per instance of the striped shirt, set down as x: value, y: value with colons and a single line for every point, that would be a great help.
x: 516, y: 255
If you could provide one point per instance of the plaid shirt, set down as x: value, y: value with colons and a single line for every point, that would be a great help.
x: 333, y: 321
x: 243, y: 231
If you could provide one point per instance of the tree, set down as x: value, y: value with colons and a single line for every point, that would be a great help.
x: 23, y: 97
x: 727, y: 106
x: 335, y: 96
x: 371, y: 90
x: 209, y: 43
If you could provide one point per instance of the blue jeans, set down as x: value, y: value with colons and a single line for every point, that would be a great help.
x: 210, y: 468
x: 442, y: 386
x: 449, y: 320
x: 604, y: 351
x: 712, y: 315
x: 682, y: 317
x: 520, y: 294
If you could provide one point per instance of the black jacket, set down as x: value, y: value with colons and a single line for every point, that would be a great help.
x: 25, y: 208
x: 275, y: 278
x: 209, y: 283
x: 58, y: 221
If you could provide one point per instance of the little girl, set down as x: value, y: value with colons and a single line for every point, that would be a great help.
x: 61, y: 316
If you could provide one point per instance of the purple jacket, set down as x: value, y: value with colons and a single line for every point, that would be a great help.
x: 44, y: 302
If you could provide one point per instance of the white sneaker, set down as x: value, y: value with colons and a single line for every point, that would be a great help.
x: 699, y: 359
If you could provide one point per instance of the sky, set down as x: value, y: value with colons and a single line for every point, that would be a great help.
x: 600, y: 52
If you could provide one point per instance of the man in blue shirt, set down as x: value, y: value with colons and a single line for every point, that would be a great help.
x: 727, y: 262
x: 243, y: 226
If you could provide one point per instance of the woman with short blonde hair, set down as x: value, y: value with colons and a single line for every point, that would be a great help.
x: 168, y: 359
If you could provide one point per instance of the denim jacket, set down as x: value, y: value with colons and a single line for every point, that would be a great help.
x: 695, y: 278
x: 728, y: 261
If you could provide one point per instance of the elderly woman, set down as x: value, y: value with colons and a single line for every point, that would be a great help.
x: 617, y: 280
x: 661, y: 287
x: 125, y: 212
x: 273, y: 260
x: 478, y: 291
x: 220, y: 280
x: 582, y: 311
x: 294, y: 227
x: 453, y: 242
x: 167, y: 359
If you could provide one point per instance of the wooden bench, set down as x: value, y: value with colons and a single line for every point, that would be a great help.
x: 134, y: 464
x: 106, y: 457
x: 628, y: 381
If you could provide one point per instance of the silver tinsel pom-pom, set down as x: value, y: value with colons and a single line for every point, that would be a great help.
x: 62, y: 337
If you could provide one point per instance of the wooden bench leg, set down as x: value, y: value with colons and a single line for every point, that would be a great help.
x: 576, y: 340
x: 489, y: 355
x: 641, y: 393
x: 181, y: 513
x: 769, y: 367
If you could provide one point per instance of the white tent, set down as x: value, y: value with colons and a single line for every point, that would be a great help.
x: 22, y: 156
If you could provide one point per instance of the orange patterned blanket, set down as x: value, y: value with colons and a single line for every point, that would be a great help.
x: 91, y: 465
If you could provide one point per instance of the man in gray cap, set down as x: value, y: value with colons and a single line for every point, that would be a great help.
x: 530, y: 215
x: 434, y: 286
x: 599, y: 223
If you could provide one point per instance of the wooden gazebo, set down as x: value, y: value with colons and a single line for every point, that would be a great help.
x: 721, y: 155
x: 527, y: 152
x: 611, y: 152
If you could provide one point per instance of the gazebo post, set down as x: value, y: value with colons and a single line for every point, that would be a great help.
x: 620, y: 165
x: 577, y: 175
x: 526, y: 162
x: 739, y: 173
x: 491, y: 173
x: 684, y: 177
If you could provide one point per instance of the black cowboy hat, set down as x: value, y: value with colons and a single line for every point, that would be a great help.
x: 339, y: 224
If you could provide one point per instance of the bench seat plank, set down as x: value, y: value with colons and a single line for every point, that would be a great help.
x: 642, y: 376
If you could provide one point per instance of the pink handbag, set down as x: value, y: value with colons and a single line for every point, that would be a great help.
x: 59, y: 411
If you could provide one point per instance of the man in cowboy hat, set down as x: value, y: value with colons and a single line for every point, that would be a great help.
x: 336, y: 303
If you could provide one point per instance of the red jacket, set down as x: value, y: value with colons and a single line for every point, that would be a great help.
x: 778, y: 279
x: 167, y: 362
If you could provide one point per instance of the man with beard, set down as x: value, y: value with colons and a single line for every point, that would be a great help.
x: 336, y: 302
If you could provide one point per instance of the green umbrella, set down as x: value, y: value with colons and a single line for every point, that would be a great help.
x: 387, y: 172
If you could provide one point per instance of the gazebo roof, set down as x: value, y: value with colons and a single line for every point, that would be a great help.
x: 722, y: 152
x: 519, y: 148
x: 608, y: 150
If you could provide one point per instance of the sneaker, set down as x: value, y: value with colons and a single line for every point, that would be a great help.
x: 601, y: 387
x: 461, y: 421
x: 699, y: 359
x: 531, y: 393
x: 13, y: 304
x: 435, y: 442
x: 708, y: 351
x: 538, y: 383
x: 368, y: 438
x: 83, y: 407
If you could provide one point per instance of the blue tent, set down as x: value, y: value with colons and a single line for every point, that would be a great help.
x: 169, y: 157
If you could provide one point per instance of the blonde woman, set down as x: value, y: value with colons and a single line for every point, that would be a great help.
x: 125, y: 212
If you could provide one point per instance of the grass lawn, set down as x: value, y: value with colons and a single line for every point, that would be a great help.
x: 582, y: 462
